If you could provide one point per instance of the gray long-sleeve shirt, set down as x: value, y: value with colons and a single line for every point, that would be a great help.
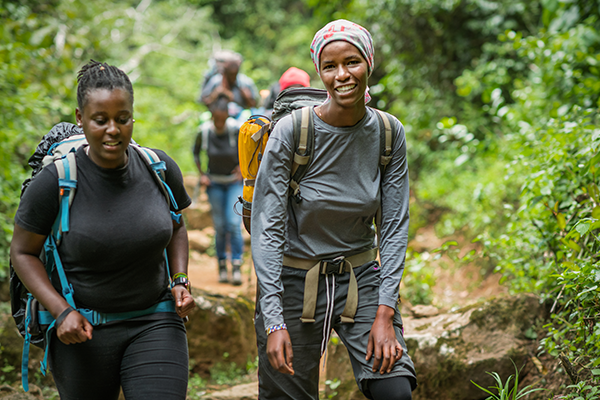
x: 341, y: 194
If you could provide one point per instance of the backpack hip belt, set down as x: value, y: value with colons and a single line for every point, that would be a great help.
x: 97, y: 318
x: 338, y: 265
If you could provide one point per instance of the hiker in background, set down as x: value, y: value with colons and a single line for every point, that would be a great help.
x: 222, y: 179
x: 238, y: 88
x: 330, y: 233
x: 293, y: 77
x: 113, y: 256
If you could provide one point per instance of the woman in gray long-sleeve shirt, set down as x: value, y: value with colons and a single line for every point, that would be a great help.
x: 332, y: 228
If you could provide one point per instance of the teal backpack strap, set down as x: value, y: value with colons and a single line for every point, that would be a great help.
x: 158, y: 168
x: 304, y: 138
x: 66, y: 168
x: 26, y: 346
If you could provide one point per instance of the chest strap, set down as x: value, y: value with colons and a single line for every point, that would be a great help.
x: 338, y: 265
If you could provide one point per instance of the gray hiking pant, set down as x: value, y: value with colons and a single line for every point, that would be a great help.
x: 309, y: 339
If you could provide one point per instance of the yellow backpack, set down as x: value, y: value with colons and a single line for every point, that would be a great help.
x: 252, y: 140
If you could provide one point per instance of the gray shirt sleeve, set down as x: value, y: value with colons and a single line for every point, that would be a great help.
x: 269, y: 217
x: 394, y: 220
x: 336, y: 213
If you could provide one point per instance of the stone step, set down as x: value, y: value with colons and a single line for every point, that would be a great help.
x: 248, y: 391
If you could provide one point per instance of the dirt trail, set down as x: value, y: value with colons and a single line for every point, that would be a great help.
x: 203, y: 273
x: 455, y: 286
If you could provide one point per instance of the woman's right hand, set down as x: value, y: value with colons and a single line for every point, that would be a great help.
x: 279, y: 351
x: 204, y: 180
x: 75, y: 328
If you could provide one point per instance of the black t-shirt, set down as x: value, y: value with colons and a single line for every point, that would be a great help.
x: 113, y: 254
x: 222, y: 148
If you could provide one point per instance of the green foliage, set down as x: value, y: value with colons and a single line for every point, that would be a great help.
x: 509, y: 390
x: 332, y: 384
x: 549, y: 109
x: 196, y: 387
x: 418, y: 279
x: 583, y: 391
x: 43, y: 46
x: 271, y: 35
x: 35, y: 54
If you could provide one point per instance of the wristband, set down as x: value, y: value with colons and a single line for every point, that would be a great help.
x: 63, y: 315
x: 274, y: 328
x: 177, y: 275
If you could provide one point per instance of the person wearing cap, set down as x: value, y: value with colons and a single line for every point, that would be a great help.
x: 293, y: 77
x: 328, y: 238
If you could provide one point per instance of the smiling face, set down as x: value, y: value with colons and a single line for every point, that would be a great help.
x: 344, y: 73
x: 107, y: 121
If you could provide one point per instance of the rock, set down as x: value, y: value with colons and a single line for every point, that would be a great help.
x: 422, y: 311
x: 450, y: 350
x: 10, y: 393
x: 248, y: 391
x: 220, y: 330
x: 197, y: 216
x: 201, y: 240
x: 11, y: 348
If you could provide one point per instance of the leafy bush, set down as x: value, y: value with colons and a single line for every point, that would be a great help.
x: 549, y: 244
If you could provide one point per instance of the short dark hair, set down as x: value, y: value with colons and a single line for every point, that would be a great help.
x: 98, y: 75
x: 220, y: 104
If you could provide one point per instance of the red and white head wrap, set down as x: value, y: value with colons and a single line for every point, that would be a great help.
x: 349, y: 32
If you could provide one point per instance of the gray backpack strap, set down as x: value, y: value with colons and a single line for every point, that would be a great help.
x: 205, y: 132
x: 304, y: 138
x: 386, y: 135
x: 386, y: 140
x: 232, y: 130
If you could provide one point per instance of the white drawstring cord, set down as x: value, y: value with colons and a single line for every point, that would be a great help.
x: 328, y: 314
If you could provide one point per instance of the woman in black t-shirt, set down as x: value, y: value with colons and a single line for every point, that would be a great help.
x: 113, y: 256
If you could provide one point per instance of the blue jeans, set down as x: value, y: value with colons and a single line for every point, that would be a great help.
x: 222, y: 198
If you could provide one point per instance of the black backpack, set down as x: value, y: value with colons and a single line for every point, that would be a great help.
x: 18, y: 291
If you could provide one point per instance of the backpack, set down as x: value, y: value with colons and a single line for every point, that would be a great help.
x: 205, y: 128
x: 34, y: 323
x: 254, y: 134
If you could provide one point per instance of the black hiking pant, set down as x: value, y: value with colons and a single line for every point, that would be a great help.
x: 148, y: 358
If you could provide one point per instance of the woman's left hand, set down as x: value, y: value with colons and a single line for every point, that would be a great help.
x: 382, y: 341
x: 184, y: 302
